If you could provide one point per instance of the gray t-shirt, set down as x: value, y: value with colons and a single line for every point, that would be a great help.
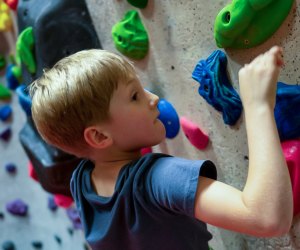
x: 152, y: 207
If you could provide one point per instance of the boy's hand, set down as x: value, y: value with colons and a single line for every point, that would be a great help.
x: 258, y: 80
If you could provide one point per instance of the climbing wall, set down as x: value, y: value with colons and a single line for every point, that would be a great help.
x: 29, y: 219
x: 181, y: 34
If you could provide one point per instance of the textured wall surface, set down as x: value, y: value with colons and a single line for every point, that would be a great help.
x: 41, y: 224
x: 181, y: 33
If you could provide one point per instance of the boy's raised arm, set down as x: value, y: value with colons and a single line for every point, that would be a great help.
x: 265, y: 206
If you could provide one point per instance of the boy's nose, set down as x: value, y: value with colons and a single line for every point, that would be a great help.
x: 153, y: 100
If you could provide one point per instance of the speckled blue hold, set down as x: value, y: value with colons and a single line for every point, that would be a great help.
x: 215, y: 86
x: 169, y: 117
x: 24, y: 99
x: 5, y: 112
x: 287, y: 111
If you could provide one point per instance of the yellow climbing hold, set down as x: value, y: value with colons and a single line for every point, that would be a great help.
x: 5, y: 19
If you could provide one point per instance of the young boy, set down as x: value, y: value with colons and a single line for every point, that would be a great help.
x: 92, y: 104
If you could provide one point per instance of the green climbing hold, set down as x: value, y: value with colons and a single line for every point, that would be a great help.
x: 4, y: 92
x: 130, y: 36
x: 138, y: 3
x: 2, y: 62
x: 247, y: 23
x: 24, y: 47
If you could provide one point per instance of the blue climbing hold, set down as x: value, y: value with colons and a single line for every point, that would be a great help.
x: 5, y: 112
x: 12, y: 76
x: 215, y: 86
x: 24, y: 99
x: 287, y: 112
x: 51, y: 203
x: 11, y: 168
x: 5, y: 134
x: 8, y: 245
x: 169, y: 117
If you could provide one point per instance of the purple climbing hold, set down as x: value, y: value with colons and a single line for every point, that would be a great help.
x: 74, y: 217
x: 17, y: 207
x: 5, y: 134
x: 11, y: 168
x: 51, y: 203
x: 5, y: 112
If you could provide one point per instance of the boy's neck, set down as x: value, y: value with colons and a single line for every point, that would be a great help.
x: 106, y: 171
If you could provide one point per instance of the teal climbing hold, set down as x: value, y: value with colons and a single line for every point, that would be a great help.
x: 247, y: 23
x: 130, y: 36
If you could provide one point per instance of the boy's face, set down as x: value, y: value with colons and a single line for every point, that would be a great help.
x: 133, y: 112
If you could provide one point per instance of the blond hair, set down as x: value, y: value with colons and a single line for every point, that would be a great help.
x: 75, y: 94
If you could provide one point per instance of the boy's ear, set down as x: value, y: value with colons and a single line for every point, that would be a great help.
x: 97, y: 138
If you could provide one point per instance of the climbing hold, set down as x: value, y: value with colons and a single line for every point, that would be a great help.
x: 138, y: 3
x: 286, y: 112
x: 5, y: 19
x: 215, y: 86
x: 194, y: 134
x: 51, y: 203
x: 24, y: 99
x: 13, y: 76
x: 2, y: 62
x: 5, y: 112
x: 58, y: 239
x: 37, y: 244
x: 4, y: 92
x: 12, y: 4
x: 247, y: 23
x: 25, y: 47
x: 291, y: 151
x: 145, y: 151
x: 17, y: 207
x: 1, y: 216
x: 74, y: 217
x: 169, y: 117
x: 31, y: 172
x: 86, y: 247
x: 63, y: 200
x: 11, y: 168
x: 130, y: 36
x: 70, y: 231
x: 5, y: 134
x: 8, y: 245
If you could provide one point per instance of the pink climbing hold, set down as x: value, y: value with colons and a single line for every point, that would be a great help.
x: 145, y: 151
x: 63, y: 200
x: 291, y: 150
x: 31, y: 172
x: 194, y: 134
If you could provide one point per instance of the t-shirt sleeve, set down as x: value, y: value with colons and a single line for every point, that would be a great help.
x: 172, y: 182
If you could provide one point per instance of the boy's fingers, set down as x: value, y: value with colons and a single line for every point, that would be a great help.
x: 274, y: 55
